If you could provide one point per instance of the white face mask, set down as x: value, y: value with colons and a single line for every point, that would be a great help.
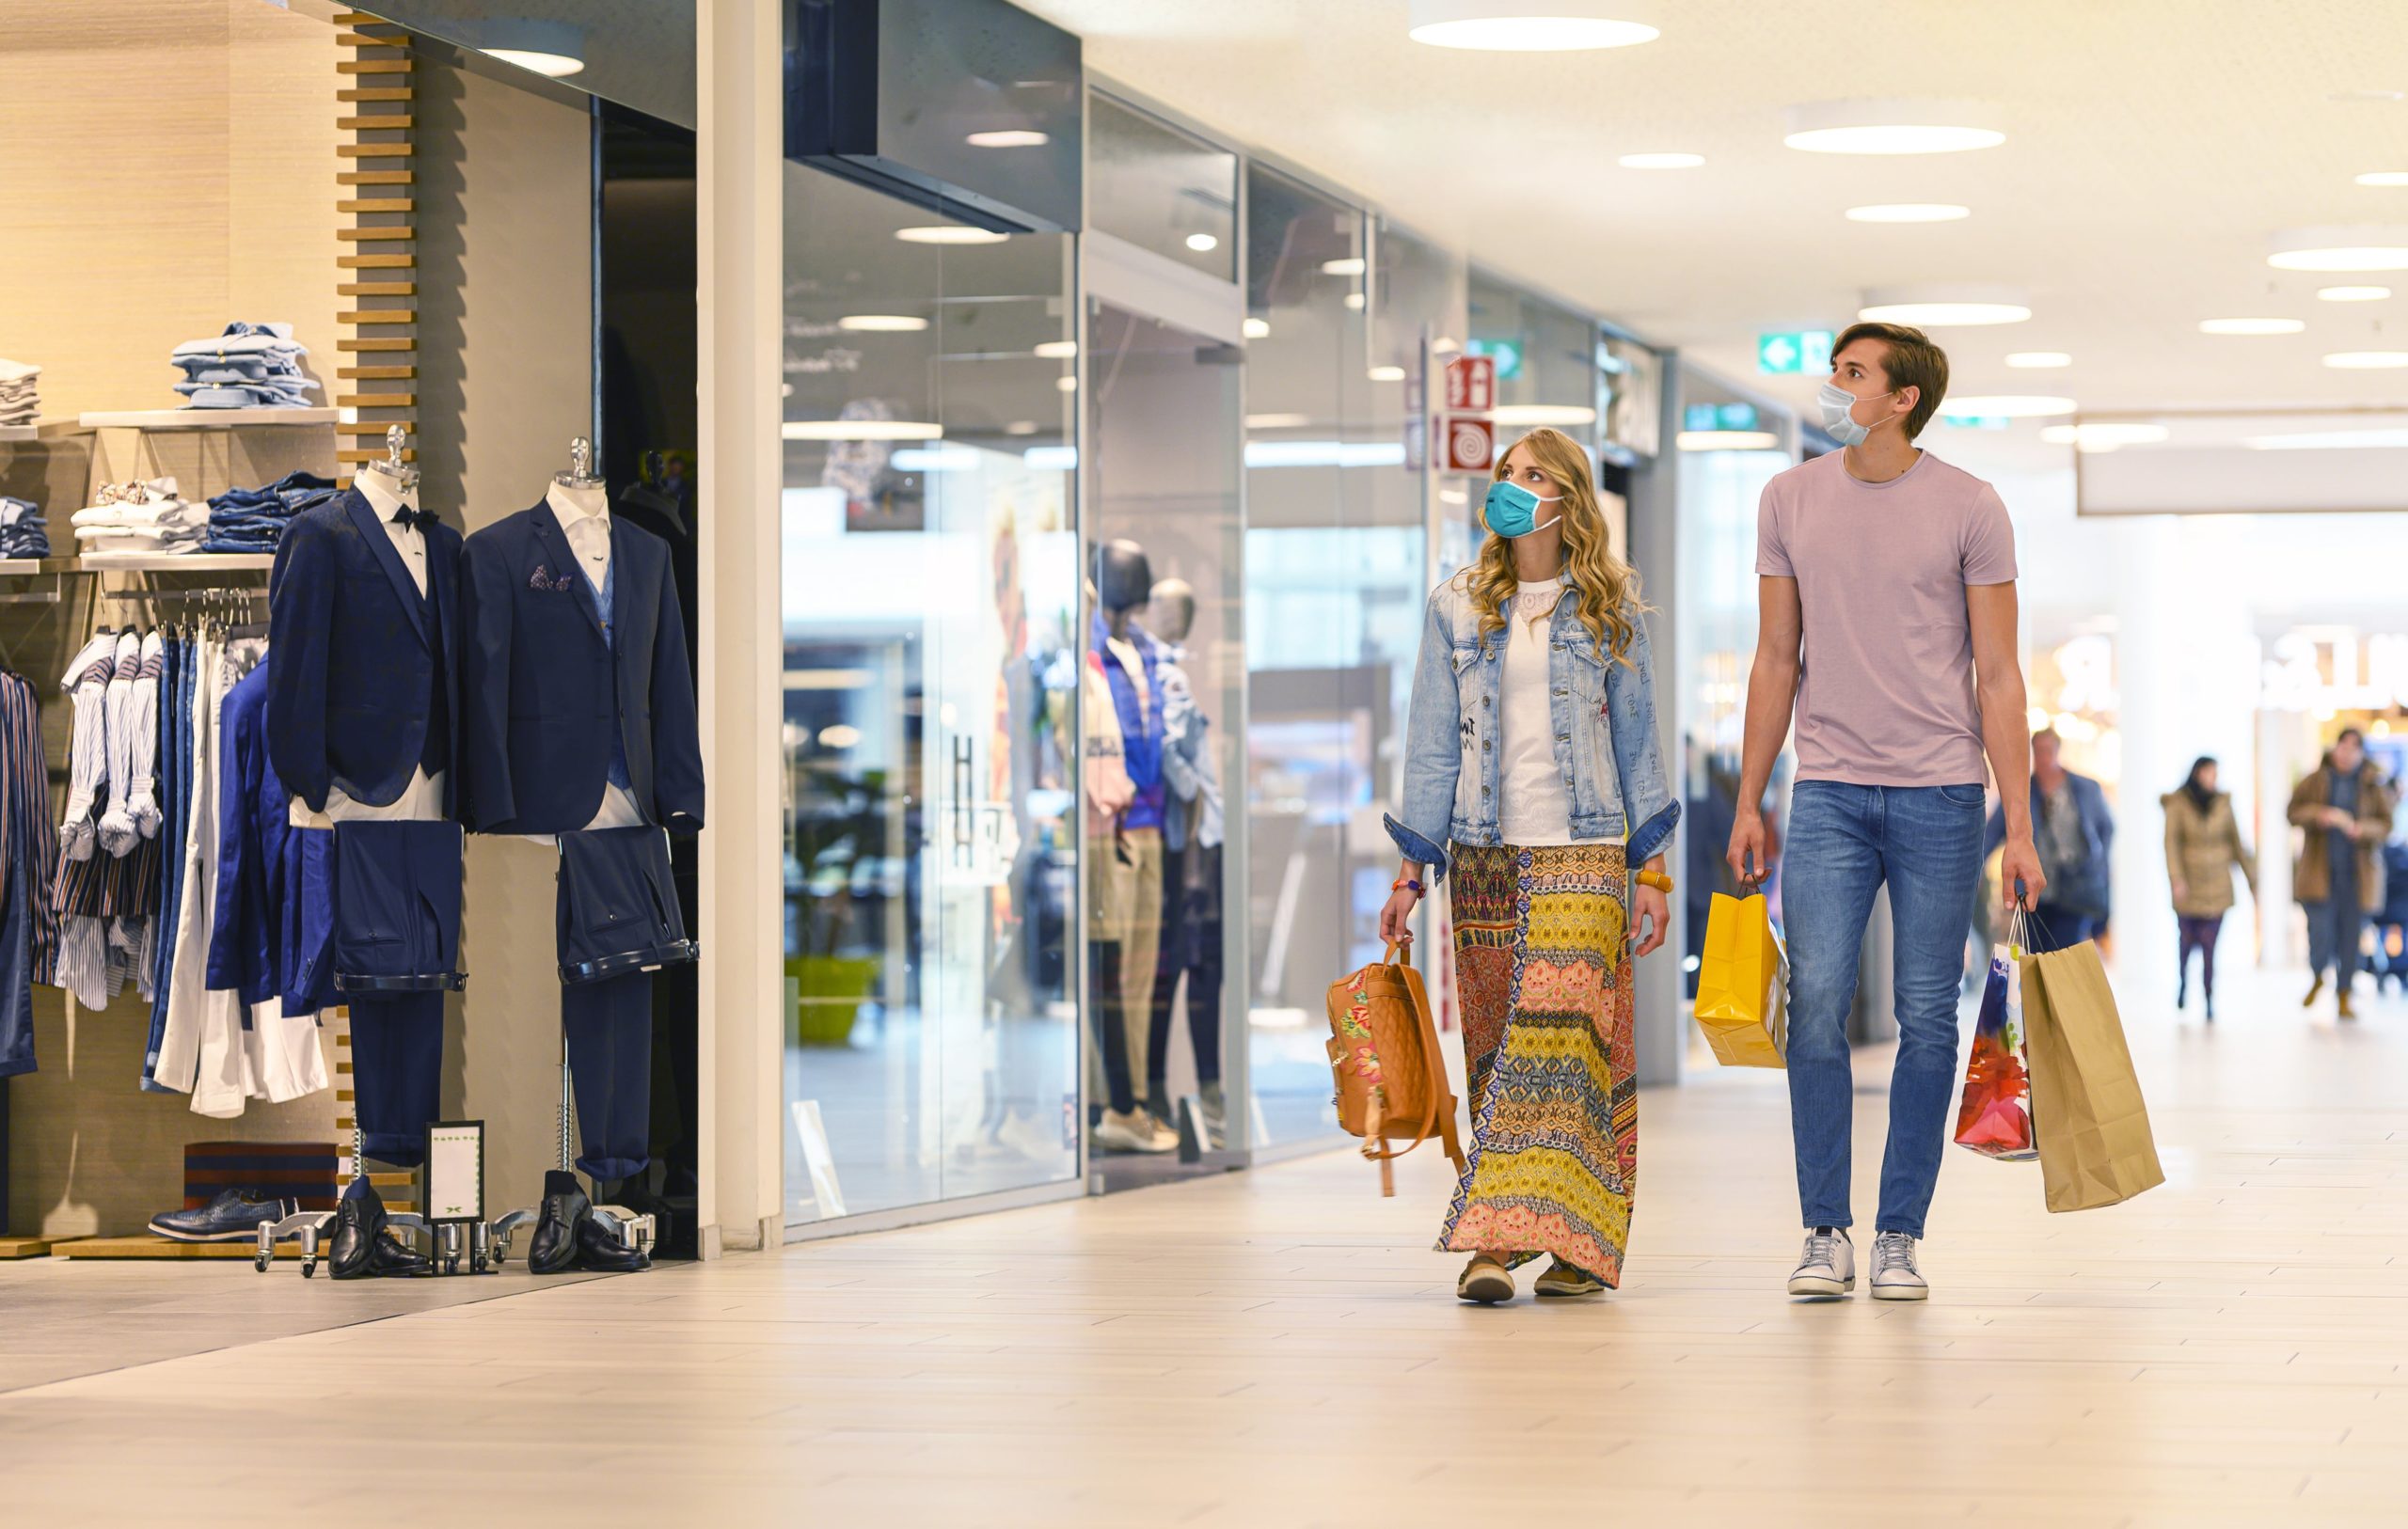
x: 1839, y: 419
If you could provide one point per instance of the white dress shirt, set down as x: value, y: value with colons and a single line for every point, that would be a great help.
x: 422, y: 800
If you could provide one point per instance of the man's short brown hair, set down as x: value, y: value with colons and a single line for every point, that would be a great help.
x: 1913, y: 361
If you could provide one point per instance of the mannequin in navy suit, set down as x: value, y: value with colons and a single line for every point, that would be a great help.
x: 581, y: 714
x: 363, y: 694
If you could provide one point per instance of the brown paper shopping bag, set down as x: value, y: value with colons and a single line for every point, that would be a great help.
x: 2095, y: 1144
x: 1741, y: 1001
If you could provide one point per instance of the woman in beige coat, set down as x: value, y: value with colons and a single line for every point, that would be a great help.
x: 2202, y: 850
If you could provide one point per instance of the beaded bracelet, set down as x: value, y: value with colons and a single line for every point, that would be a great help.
x: 1404, y: 883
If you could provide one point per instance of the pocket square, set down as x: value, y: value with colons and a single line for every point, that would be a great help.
x: 541, y: 579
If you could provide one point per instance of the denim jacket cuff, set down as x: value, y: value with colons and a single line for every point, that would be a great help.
x: 1650, y: 836
x: 1414, y: 847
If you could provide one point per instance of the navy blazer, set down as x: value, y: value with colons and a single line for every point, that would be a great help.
x: 544, y: 689
x: 359, y: 653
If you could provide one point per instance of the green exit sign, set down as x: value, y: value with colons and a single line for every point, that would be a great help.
x: 1794, y: 352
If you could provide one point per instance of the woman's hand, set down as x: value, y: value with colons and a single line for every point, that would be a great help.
x: 1396, y: 916
x: 2182, y: 892
x: 1649, y: 912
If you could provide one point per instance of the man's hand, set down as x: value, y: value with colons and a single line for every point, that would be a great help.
x: 2341, y: 818
x: 1747, y: 855
x: 1650, y: 915
x: 2021, y: 862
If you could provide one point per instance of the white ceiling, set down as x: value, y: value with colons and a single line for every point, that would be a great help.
x: 2153, y: 145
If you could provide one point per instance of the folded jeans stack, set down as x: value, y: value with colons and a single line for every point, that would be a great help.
x: 24, y: 533
x: 140, y: 520
x: 251, y: 366
x: 253, y: 519
x: 19, y: 404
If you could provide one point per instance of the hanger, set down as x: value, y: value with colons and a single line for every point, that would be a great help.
x: 403, y: 474
x: 580, y: 465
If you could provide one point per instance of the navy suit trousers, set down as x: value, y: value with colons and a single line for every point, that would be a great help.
x: 397, y: 949
x: 619, y: 921
x: 396, y: 1072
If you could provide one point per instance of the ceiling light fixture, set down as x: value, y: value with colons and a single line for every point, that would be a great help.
x: 1203, y: 244
x: 1021, y: 427
x: 1349, y: 266
x: 2251, y: 326
x: 1066, y: 384
x: 2384, y: 178
x: 1910, y: 213
x: 2366, y: 360
x: 1010, y: 138
x: 2331, y: 440
x: 1058, y: 350
x: 861, y: 430
x: 950, y: 233
x: 1258, y: 329
x: 882, y: 323
x: 1893, y: 127
x: 2103, y: 435
x: 1940, y: 307
x: 1529, y: 416
x: 2344, y: 248
x: 1526, y: 26
x: 1660, y: 161
x: 557, y: 66
x: 1387, y: 373
x: 1728, y: 440
x: 2353, y: 294
x: 2007, y: 406
x: 1354, y: 302
x: 2039, y: 360
x: 1277, y: 421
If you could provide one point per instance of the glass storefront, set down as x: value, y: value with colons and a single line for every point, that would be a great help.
x: 930, y: 613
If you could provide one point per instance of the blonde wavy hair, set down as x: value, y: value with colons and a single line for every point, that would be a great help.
x: 1609, y: 597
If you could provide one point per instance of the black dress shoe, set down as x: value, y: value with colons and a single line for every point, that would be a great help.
x: 391, y: 1260
x: 598, y: 1251
x: 359, y: 1222
x: 233, y: 1216
x: 554, y: 1246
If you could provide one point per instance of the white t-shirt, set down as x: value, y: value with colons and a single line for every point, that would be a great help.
x: 1537, y: 796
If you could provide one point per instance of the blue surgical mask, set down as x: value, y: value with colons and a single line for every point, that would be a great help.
x: 1513, y: 509
x: 1838, y: 421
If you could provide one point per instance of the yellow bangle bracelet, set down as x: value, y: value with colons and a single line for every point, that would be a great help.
x: 1657, y: 879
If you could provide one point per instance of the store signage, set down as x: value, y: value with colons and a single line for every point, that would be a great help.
x: 2329, y: 671
x: 1794, y: 352
x: 1506, y: 354
x: 1718, y: 417
x: 1471, y: 384
x: 1470, y: 442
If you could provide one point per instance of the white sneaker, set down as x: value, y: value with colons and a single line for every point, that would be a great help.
x: 1895, y: 1276
x: 1136, y: 1131
x: 1828, y: 1269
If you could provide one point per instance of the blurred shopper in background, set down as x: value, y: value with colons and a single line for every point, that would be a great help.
x: 2074, y: 830
x: 2391, y: 929
x: 2345, y: 809
x: 2203, y: 848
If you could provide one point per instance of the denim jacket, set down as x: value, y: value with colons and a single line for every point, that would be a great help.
x: 1451, y: 734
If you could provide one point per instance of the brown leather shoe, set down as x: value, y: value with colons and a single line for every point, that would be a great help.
x: 2315, y: 992
x: 1562, y: 1279
x: 1486, y: 1281
x: 2345, y: 1012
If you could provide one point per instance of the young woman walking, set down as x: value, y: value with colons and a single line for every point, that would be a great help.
x: 2203, y: 848
x: 1533, y: 773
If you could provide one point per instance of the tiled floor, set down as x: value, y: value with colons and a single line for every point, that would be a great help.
x: 1281, y: 1348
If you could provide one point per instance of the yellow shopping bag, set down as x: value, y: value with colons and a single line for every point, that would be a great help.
x: 1742, y: 1002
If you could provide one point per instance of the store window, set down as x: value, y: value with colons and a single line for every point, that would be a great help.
x: 1161, y: 189
x: 930, y: 607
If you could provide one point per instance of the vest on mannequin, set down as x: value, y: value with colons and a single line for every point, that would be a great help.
x: 584, y: 516
x: 422, y: 800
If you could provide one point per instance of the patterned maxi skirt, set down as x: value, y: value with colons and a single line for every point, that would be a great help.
x: 1544, y: 970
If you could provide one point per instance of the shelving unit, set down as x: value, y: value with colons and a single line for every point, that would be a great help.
x: 36, y: 565
x: 195, y: 562
x: 202, y: 419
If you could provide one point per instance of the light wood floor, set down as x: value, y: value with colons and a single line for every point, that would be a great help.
x: 1279, y: 1348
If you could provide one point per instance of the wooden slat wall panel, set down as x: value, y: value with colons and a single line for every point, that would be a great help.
x: 380, y: 120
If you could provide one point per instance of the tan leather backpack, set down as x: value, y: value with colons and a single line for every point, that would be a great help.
x: 1384, y: 1055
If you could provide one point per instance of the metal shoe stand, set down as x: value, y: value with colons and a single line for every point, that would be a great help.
x: 310, y: 1228
x: 632, y: 1230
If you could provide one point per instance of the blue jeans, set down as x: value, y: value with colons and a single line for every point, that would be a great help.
x: 1845, y: 841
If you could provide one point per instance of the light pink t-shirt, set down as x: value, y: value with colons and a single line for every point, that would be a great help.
x: 1886, y: 695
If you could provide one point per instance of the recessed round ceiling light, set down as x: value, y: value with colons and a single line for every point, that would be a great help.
x: 1258, y: 329
x: 2363, y: 248
x: 2039, y: 360
x: 2366, y: 360
x: 1067, y: 385
x: 882, y: 323
x: 1527, y: 416
x: 1893, y: 127
x: 861, y: 430
x: 1058, y: 350
x: 2103, y: 435
x: 1021, y: 427
x: 559, y: 65
x: 1349, y: 266
x: 2353, y: 294
x: 1277, y: 421
x: 1354, y: 302
x: 1524, y: 25
x: 1660, y: 161
x: 1910, y: 213
x: 1009, y: 138
x: 2006, y: 407
x: 2251, y: 326
x: 1728, y: 440
x: 950, y: 233
x: 1203, y: 244
x: 1387, y: 373
x: 1942, y: 308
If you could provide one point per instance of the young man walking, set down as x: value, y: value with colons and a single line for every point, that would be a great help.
x: 2345, y: 808
x: 1887, y: 591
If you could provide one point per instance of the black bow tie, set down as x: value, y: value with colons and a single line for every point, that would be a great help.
x: 422, y: 521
